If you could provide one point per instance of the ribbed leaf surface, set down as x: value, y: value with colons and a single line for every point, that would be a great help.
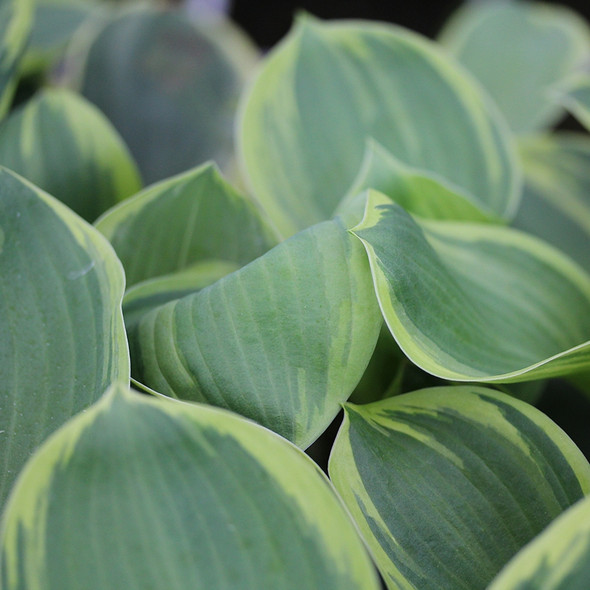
x: 327, y: 88
x: 477, y: 302
x: 62, y: 335
x: 284, y: 340
x: 142, y: 493
x: 558, y: 559
x: 447, y: 484
x: 179, y: 222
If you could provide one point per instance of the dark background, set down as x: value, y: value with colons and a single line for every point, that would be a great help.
x: 267, y: 21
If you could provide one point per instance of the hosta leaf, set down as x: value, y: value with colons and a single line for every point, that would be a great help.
x: 419, y: 192
x: 63, y: 340
x: 183, y: 220
x: 476, y: 302
x: 63, y: 144
x: 575, y: 96
x: 519, y: 50
x: 558, y: 559
x: 329, y: 87
x: 556, y: 199
x: 152, y: 293
x: 15, y: 24
x: 140, y: 493
x: 283, y: 341
x: 169, y: 85
x: 54, y: 24
x: 447, y: 484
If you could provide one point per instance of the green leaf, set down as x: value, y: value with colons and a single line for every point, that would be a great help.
x: 558, y: 559
x: 140, y: 493
x: 190, y: 218
x: 15, y: 24
x: 283, y: 341
x: 574, y: 95
x: 148, y: 295
x: 169, y: 85
x: 54, y: 24
x: 555, y: 204
x: 476, y: 302
x: 447, y: 484
x: 63, y: 144
x: 327, y: 88
x: 63, y: 340
x: 419, y: 192
x: 518, y: 51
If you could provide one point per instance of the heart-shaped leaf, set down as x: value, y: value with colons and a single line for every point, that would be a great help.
x: 64, y: 145
x: 555, y: 204
x: 283, y: 341
x: 170, y: 85
x: 557, y: 559
x: 140, y: 492
x: 327, y: 88
x: 15, y: 24
x: 447, y: 484
x: 63, y: 340
x: 179, y: 222
x: 476, y: 302
x: 519, y: 51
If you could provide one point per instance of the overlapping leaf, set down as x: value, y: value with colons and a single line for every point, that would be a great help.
x: 419, y: 192
x: 555, y: 205
x: 329, y: 87
x: 475, y: 302
x: 145, y: 493
x: 574, y: 94
x: 169, y: 85
x: 149, y: 294
x: 558, y: 559
x: 15, y: 24
x: 519, y: 50
x: 284, y: 340
x: 179, y: 222
x: 63, y: 144
x: 447, y: 484
x: 63, y: 340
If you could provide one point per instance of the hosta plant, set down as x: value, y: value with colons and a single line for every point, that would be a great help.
x: 392, y: 274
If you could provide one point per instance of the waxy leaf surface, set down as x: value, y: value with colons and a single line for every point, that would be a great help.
x: 179, y: 222
x: 141, y: 492
x: 476, y: 302
x: 555, y: 204
x: 328, y: 88
x: 557, y: 559
x: 15, y: 24
x: 64, y: 145
x: 447, y: 484
x: 63, y: 340
x: 284, y: 340
x: 519, y: 50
